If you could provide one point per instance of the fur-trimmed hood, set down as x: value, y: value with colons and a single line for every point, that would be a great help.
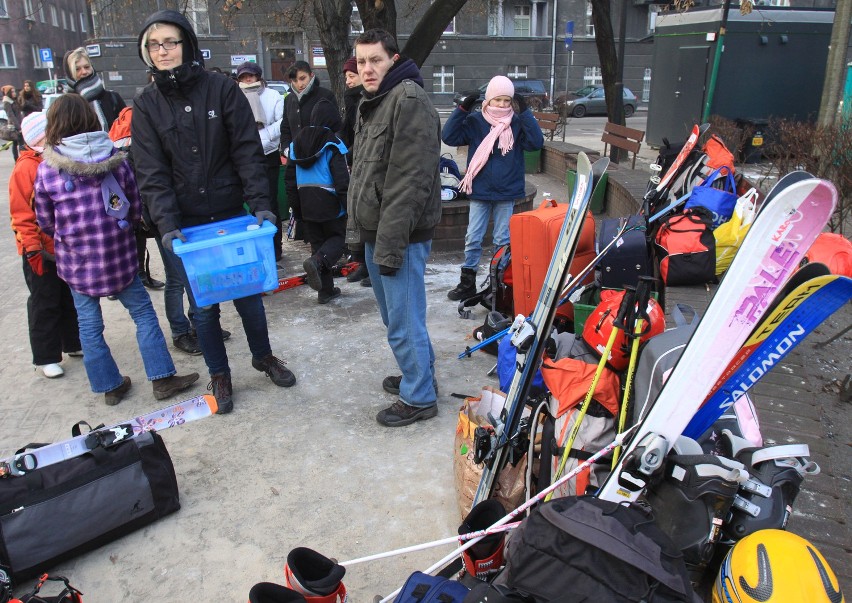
x: 88, y: 154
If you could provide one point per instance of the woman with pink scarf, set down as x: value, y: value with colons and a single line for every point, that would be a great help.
x: 496, y: 139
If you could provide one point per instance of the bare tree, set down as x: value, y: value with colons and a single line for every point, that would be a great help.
x: 608, y: 56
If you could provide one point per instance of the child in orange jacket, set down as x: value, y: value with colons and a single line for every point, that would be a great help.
x: 50, y: 308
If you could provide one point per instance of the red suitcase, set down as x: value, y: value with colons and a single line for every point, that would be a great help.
x: 532, y: 238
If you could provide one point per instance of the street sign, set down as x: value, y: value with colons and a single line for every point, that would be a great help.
x: 93, y: 50
x: 569, y: 34
x: 205, y: 53
x: 46, y: 55
x: 239, y: 59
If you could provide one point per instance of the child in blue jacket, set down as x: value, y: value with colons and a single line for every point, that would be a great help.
x: 496, y: 139
x: 322, y: 177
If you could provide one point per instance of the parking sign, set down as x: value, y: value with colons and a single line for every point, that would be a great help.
x: 46, y: 55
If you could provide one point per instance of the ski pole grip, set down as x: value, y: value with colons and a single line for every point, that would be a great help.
x: 643, y: 298
x: 625, y: 310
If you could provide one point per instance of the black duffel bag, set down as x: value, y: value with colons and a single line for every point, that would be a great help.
x: 59, y: 511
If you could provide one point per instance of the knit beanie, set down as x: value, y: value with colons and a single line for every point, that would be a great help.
x: 32, y: 128
x: 499, y: 85
x: 351, y: 64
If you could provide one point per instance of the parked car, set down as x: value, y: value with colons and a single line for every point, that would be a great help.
x: 533, y: 92
x: 282, y: 88
x: 590, y: 100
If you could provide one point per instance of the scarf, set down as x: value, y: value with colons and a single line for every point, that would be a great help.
x: 91, y: 88
x: 303, y: 93
x: 253, y: 92
x: 501, y: 133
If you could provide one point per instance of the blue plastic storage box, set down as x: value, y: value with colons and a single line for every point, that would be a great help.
x: 229, y: 259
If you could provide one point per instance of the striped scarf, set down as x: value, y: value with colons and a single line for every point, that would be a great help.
x: 91, y: 88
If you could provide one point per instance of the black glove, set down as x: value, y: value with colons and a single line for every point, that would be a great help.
x: 522, y: 103
x: 469, y: 101
x: 387, y: 270
x: 265, y: 215
x: 169, y: 237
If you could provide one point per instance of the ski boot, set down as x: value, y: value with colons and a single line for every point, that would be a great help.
x: 765, y: 501
x: 315, y: 576
x: 692, y: 500
x: 484, y: 558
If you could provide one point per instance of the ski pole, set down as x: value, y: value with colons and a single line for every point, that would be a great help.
x: 625, y: 310
x: 570, y: 287
x: 643, y: 295
x: 428, y: 545
x: 510, y: 516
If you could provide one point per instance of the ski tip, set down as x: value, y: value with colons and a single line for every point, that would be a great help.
x: 211, y: 403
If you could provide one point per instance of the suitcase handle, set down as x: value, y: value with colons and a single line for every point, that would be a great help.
x: 548, y: 203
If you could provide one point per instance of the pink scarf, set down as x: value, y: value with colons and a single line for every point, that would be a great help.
x: 501, y: 133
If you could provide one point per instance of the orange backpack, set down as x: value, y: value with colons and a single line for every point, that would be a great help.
x: 119, y: 133
x: 718, y: 154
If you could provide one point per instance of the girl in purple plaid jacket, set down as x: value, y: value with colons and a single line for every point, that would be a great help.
x: 86, y: 199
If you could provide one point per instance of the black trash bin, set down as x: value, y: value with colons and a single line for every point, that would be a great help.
x: 752, y: 149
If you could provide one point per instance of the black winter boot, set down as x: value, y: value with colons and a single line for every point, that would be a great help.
x: 466, y: 287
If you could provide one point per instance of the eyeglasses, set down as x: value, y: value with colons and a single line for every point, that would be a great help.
x: 170, y: 45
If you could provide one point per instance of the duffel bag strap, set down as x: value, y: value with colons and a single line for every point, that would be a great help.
x: 68, y: 595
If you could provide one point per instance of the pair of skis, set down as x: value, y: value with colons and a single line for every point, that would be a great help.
x: 529, y: 336
x: 177, y: 414
x: 789, y: 221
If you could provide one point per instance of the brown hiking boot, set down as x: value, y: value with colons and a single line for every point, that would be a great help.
x: 114, y: 396
x: 275, y: 370
x: 399, y: 414
x: 169, y: 386
x: 220, y: 385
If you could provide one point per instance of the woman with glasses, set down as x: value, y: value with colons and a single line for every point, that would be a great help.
x: 198, y: 157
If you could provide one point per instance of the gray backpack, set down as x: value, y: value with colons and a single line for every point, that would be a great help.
x: 657, y: 358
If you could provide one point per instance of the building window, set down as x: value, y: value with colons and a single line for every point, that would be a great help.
x: 451, y: 27
x: 64, y: 19
x: 785, y: 3
x: 356, y: 26
x: 41, y: 16
x: 522, y: 20
x: 7, y: 56
x: 517, y: 71
x: 592, y: 76
x: 4, y: 12
x: 590, y: 24
x: 646, y: 86
x: 83, y: 22
x: 196, y: 12
x: 443, y: 79
x: 54, y: 16
x: 29, y: 13
x: 652, y: 18
x: 37, y: 57
x: 72, y: 21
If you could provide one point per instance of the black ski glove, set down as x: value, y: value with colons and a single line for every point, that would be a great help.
x: 169, y: 237
x: 265, y: 215
x: 468, y: 102
x: 387, y: 270
x: 522, y: 103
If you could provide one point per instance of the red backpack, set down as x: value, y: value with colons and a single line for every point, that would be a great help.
x: 687, y: 248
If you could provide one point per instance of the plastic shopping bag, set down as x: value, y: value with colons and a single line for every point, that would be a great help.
x: 729, y: 236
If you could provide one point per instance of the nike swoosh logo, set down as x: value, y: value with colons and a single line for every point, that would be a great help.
x: 835, y: 596
x: 763, y: 590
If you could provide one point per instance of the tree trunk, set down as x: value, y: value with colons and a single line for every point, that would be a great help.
x: 378, y: 14
x: 333, y: 19
x: 430, y: 28
x: 836, y: 64
x: 605, y: 42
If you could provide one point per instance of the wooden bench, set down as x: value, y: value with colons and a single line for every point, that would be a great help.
x: 548, y: 122
x: 622, y: 137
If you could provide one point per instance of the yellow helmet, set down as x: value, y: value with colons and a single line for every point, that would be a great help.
x: 774, y: 566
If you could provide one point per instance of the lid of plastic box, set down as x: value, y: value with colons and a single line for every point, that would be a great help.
x: 223, y: 232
